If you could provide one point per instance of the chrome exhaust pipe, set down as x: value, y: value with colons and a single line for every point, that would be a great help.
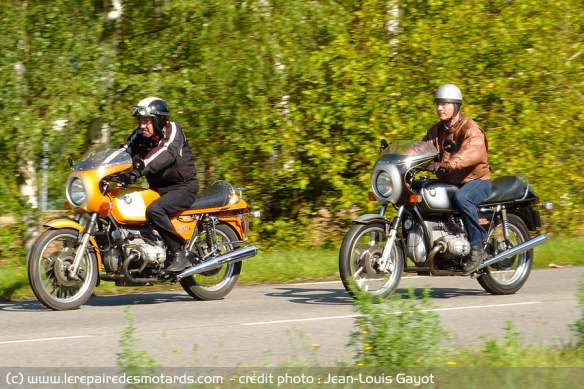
x: 523, y: 247
x: 231, y: 257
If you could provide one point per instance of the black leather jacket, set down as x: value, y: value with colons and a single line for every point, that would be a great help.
x: 167, y: 157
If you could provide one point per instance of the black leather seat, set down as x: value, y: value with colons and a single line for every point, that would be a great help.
x: 505, y: 189
x: 213, y: 196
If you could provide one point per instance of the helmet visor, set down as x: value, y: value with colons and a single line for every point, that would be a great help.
x: 141, y: 111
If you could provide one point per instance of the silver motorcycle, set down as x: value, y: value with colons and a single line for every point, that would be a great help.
x: 426, y: 235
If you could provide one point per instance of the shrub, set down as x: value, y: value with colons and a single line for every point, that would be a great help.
x: 402, y: 332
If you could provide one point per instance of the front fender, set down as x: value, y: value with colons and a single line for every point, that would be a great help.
x: 375, y: 218
x: 371, y: 218
x: 66, y: 223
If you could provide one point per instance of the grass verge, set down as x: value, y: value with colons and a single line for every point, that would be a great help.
x: 291, y: 266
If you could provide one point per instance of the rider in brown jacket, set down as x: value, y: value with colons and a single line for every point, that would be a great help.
x: 465, y: 164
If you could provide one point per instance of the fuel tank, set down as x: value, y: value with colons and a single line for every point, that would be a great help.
x: 437, y: 196
x: 130, y: 203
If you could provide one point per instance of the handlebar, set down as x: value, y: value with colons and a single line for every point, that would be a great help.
x: 440, y: 170
x: 118, y: 178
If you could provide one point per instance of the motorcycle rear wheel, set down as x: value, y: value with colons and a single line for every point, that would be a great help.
x: 217, y: 283
x: 360, y: 251
x: 509, y: 275
x: 51, y: 256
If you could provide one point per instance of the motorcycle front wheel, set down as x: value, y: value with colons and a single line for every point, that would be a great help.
x: 359, y: 258
x: 50, y: 259
x: 509, y: 275
x: 214, y: 284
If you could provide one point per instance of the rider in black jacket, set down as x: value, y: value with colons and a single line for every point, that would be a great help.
x: 169, y: 169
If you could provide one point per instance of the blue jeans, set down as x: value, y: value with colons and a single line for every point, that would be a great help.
x: 466, y: 200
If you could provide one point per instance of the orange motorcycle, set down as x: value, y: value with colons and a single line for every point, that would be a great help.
x: 109, y: 238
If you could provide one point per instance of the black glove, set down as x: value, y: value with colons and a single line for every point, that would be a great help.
x: 439, y: 167
x: 132, y: 177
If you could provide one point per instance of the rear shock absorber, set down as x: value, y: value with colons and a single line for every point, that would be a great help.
x: 505, y: 225
x: 210, y: 232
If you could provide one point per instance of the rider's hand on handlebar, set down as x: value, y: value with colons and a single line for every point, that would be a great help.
x: 131, y: 177
x: 439, y: 167
x: 117, y: 178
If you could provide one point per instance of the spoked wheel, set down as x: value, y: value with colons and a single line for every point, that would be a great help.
x: 509, y: 275
x: 359, y: 261
x: 49, y: 264
x: 216, y: 283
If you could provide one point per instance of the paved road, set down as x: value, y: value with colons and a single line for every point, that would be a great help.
x: 272, y: 325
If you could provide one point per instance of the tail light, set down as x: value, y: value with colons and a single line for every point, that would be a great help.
x: 254, y: 214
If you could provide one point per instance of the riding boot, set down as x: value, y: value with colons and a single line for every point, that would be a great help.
x: 477, y: 254
x: 178, y: 262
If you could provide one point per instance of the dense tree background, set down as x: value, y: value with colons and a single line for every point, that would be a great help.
x: 291, y: 98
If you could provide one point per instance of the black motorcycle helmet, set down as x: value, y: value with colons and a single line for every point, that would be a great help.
x: 155, y: 108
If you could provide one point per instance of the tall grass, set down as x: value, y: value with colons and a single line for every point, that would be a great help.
x: 399, y: 332
x: 131, y: 359
x: 578, y: 327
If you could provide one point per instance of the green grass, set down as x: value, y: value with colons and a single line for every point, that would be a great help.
x: 280, y: 266
x: 560, y: 251
x: 290, y: 266
x: 14, y: 283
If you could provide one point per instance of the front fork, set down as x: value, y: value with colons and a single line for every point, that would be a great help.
x: 391, y: 237
x: 89, y: 230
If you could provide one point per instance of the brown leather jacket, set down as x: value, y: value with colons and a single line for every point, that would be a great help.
x: 469, y: 161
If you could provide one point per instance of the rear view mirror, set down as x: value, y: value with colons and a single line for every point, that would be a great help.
x: 449, y: 145
x: 139, y: 163
x: 383, y: 146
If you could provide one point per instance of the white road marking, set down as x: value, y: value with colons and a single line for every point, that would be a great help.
x: 44, y: 339
x: 339, y: 281
x: 353, y: 316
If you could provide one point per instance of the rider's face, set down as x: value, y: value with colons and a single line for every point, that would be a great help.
x: 147, y: 126
x: 445, y: 110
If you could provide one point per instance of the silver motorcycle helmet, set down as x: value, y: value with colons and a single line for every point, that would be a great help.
x: 449, y: 93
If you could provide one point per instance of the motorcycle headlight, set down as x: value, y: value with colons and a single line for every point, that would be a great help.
x: 77, y: 192
x: 384, y: 184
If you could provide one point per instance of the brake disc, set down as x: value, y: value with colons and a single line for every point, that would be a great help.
x: 61, y: 267
x: 370, y: 258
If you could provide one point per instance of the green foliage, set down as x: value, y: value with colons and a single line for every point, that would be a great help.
x: 402, y: 332
x: 13, y: 281
x: 505, y: 353
x: 133, y: 361
x: 510, y: 351
x: 291, y: 99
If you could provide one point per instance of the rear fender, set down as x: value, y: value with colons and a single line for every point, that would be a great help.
x: 238, y: 223
x: 66, y: 223
x: 529, y: 215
